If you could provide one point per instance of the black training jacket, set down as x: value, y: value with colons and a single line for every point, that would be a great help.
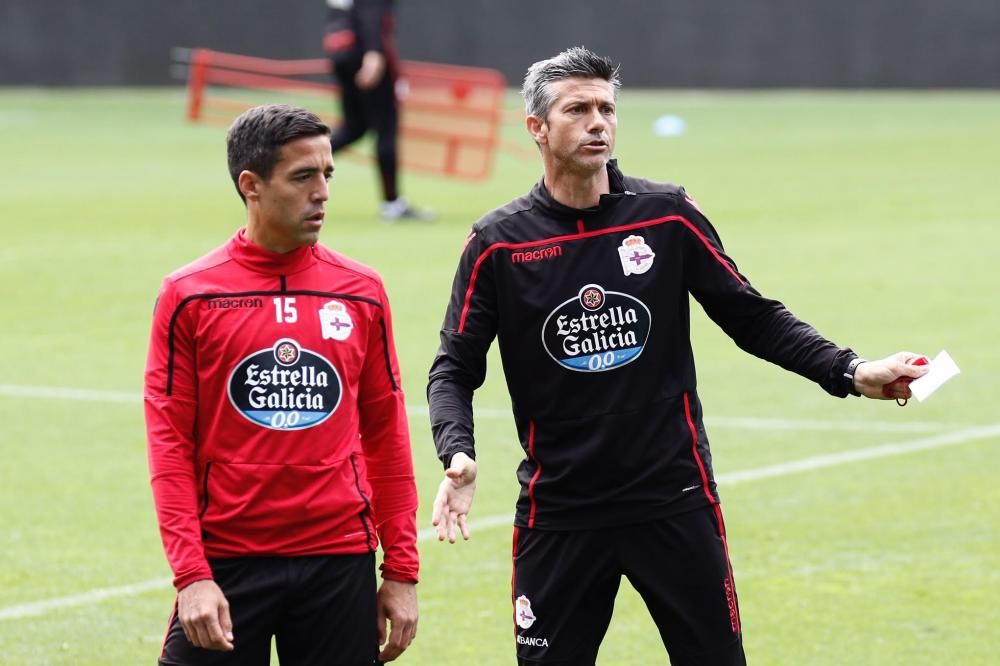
x: 356, y: 26
x: 592, y: 315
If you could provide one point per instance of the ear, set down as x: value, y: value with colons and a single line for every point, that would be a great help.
x: 537, y: 129
x: 249, y: 184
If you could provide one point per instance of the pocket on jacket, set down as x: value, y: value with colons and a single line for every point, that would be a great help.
x: 281, y: 509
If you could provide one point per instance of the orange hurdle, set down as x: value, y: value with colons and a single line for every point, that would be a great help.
x: 450, y: 115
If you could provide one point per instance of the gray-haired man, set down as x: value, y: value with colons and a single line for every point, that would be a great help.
x: 585, y: 282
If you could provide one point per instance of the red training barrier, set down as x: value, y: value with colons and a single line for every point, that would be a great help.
x: 450, y: 115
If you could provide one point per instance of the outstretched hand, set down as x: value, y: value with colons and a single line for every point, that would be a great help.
x: 890, y: 377
x: 454, y: 498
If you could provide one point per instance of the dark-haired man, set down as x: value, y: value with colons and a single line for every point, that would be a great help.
x: 585, y: 283
x: 278, y: 443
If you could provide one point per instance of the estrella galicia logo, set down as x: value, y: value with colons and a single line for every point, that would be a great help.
x: 285, y: 387
x: 596, y: 330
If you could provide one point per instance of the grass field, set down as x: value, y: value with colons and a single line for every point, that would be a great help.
x: 874, y: 216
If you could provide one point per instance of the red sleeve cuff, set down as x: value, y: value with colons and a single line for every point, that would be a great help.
x: 399, y: 577
x: 184, y: 579
x: 399, y: 544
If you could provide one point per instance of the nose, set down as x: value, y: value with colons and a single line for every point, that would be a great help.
x: 596, y: 121
x: 322, y: 190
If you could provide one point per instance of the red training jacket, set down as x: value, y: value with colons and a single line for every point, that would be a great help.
x: 274, y: 412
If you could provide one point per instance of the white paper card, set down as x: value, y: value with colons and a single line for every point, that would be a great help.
x: 942, y: 369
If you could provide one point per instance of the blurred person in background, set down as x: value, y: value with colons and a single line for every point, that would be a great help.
x: 585, y: 282
x: 360, y: 40
x: 279, y: 450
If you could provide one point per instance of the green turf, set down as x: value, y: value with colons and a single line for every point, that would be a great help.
x: 872, y: 215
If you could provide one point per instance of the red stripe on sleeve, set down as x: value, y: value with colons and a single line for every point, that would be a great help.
x: 472, y: 284
x: 711, y: 248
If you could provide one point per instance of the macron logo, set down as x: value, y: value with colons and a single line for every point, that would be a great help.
x: 550, y: 252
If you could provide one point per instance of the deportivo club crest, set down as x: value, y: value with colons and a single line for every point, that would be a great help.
x: 636, y: 256
x: 285, y: 387
x: 596, y: 330
x: 522, y: 613
x: 335, y: 321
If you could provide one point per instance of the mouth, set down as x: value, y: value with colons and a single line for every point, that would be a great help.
x: 596, y: 144
x: 315, y: 219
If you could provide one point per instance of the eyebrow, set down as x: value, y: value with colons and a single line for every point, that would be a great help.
x: 585, y: 99
x: 310, y: 170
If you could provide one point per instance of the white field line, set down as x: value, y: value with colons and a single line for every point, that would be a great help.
x: 59, y: 393
x: 740, y: 423
x: 855, y: 455
x: 772, y: 471
x: 36, y: 608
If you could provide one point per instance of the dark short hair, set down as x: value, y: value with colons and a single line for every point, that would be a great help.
x: 574, y: 62
x: 254, y: 140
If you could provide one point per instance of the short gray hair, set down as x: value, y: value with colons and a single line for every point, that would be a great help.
x: 574, y: 62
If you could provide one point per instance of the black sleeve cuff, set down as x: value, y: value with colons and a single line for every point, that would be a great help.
x: 837, y: 382
x: 446, y: 457
x: 848, y: 375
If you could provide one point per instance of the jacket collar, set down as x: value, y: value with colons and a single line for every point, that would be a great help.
x: 543, y: 198
x: 260, y: 260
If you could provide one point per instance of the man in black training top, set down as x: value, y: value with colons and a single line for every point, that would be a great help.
x: 360, y: 40
x: 585, y: 283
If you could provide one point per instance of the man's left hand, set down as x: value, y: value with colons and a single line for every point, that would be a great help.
x: 372, y: 69
x: 397, y: 603
x: 871, y: 376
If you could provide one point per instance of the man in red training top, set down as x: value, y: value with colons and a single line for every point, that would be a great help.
x: 279, y: 449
